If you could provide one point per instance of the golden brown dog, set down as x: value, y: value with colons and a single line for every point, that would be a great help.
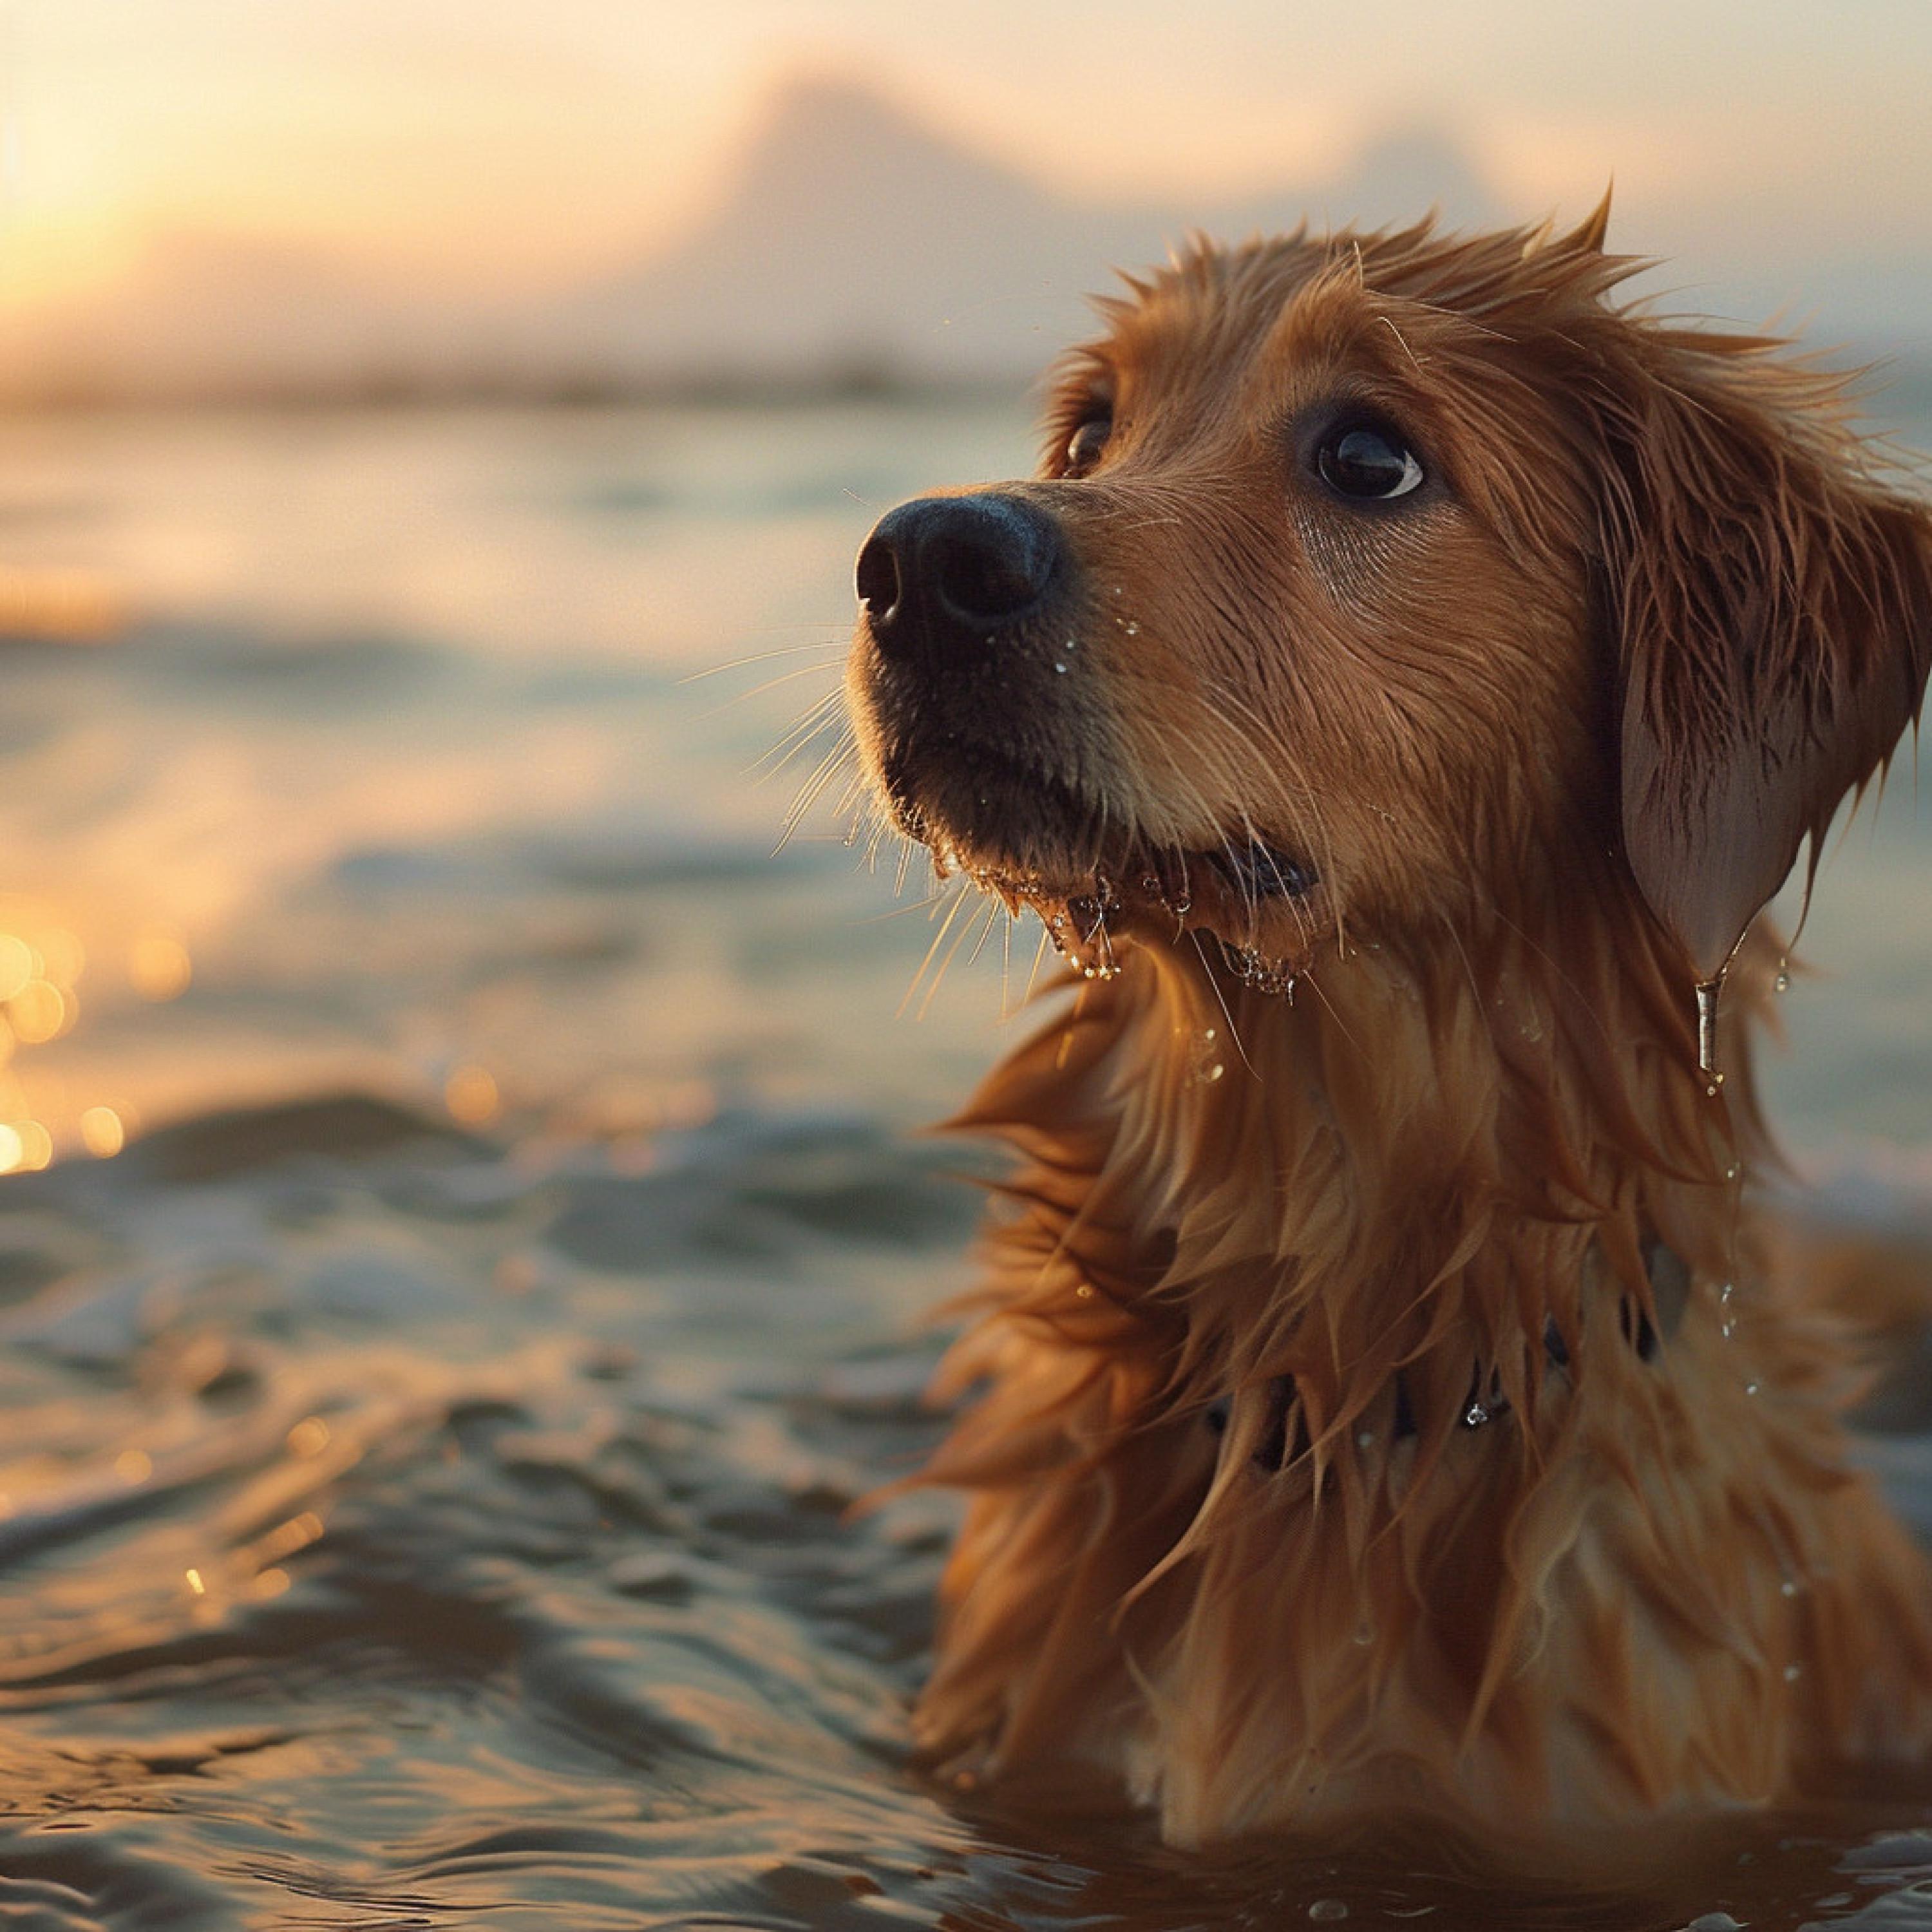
x: 1408, y: 679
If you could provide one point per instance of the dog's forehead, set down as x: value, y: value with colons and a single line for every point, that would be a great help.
x: 1211, y: 302
x: 1302, y: 296
x: 1253, y: 318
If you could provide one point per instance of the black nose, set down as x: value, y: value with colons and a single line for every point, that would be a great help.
x: 949, y: 574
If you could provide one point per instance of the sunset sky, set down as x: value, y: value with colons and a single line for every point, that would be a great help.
x: 483, y: 142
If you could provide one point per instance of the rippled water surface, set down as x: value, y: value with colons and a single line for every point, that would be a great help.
x: 467, y: 1240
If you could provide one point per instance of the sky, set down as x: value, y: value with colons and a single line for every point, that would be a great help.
x: 483, y: 143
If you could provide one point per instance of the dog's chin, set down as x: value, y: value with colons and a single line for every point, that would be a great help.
x: 1099, y: 880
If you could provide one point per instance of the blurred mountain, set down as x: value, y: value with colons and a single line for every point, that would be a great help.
x: 852, y: 237
x: 850, y: 246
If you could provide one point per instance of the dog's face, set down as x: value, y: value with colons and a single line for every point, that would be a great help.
x: 1324, y: 612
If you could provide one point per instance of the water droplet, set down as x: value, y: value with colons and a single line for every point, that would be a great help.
x: 1328, y: 1908
x: 1707, y: 1024
x: 1085, y: 1292
x: 1133, y: 630
x: 1211, y: 1074
x: 1255, y: 970
x: 1366, y: 1440
x: 1364, y: 1635
x: 1208, y: 1033
x: 1072, y: 643
x: 1782, y: 982
x: 1183, y: 906
x: 1474, y: 1416
x: 1751, y: 1388
x: 1060, y: 666
x: 1787, y: 1588
x: 1731, y: 1172
x: 1792, y: 1672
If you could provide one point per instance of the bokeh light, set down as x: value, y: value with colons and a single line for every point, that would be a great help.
x: 159, y: 967
x: 470, y: 1094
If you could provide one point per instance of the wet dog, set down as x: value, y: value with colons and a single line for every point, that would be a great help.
x: 1406, y: 681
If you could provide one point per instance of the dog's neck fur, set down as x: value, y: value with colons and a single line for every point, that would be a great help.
x: 1401, y: 1165
x: 1333, y: 1229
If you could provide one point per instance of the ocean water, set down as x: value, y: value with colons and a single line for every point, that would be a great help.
x: 467, y: 1233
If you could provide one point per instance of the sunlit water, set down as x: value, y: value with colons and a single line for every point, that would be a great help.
x: 426, y: 1447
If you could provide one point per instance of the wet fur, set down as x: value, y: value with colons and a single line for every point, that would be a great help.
x: 1549, y: 744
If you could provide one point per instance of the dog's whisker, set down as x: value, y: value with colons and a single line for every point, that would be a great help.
x: 1227, y: 1014
x: 829, y: 649
x: 830, y: 762
x: 952, y: 952
x: 769, y: 684
x: 1039, y: 958
x: 1334, y: 1015
x: 828, y: 769
x: 803, y: 737
x: 961, y: 894
x: 826, y: 706
x: 993, y: 910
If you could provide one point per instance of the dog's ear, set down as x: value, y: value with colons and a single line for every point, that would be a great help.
x: 1770, y: 602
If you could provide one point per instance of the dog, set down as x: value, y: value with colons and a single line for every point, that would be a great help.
x: 1410, y: 674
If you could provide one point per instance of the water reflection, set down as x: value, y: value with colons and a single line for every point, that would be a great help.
x: 462, y: 1248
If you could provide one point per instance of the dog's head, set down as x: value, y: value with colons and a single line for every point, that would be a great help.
x: 1383, y: 579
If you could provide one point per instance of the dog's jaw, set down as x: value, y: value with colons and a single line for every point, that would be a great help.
x: 1098, y: 881
x: 1163, y: 895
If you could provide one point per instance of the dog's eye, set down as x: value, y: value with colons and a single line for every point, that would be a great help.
x: 1365, y: 460
x: 1084, y: 446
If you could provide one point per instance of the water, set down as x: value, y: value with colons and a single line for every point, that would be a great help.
x: 427, y: 1443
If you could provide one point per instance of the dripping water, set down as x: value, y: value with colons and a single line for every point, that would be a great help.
x: 1262, y: 974
x: 1708, y: 992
